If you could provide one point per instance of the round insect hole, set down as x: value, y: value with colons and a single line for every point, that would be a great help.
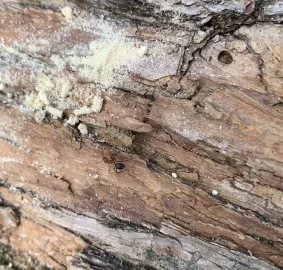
x: 225, y: 57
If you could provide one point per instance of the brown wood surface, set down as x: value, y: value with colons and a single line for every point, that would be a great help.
x: 196, y: 120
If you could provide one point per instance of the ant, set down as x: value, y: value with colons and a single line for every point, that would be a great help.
x: 119, y: 166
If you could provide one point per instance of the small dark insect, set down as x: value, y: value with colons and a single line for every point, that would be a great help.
x: 119, y: 166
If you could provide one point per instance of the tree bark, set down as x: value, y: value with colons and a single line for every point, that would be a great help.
x: 141, y: 134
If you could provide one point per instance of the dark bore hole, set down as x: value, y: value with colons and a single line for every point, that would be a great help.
x: 225, y: 57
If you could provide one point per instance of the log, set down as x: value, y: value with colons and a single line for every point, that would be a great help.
x: 141, y: 135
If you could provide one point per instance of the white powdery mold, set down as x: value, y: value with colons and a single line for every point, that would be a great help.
x: 97, y: 104
x: 174, y: 175
x: 58, y: 61
x: 108, y: 61
x: 8, y: 160
x: 54, y: 112
x: 83, y: 110
x: 214, y: 192
x: 105, y: 63
x: 42, y: 96
x: 65, y: 87
x: 34, y: 102
x: 68, y: 13
x: 39, y: 116
x: 44, y: 83
x: 83, y: 129
x: 43, y: 86
x: 72, y: 120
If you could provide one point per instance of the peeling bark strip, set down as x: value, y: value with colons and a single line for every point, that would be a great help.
x: 186, y: 94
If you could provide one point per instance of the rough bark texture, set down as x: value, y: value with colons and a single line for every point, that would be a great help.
x: 186, y: 94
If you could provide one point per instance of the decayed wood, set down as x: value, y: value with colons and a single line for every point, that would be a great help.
x: 191, y: 107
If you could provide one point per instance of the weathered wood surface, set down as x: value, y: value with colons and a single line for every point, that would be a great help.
x: 192, y: 95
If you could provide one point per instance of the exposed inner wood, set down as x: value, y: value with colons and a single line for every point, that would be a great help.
x: 185, y: 95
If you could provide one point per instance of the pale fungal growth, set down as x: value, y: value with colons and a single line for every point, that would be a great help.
x: 43, y: 98
x: 214, y: 192
x: 174, y: 175
x: 12, y: 188
x: 104, y: 64
x: 8, y: 160
x: 65, y: 88
x: 83, y: 129
x: 68, y: 13
x: 2, y: 86
x: 39, y: 116
x: 106, y: 59
x: 97, y: 104
x: 83, y: 110
x: 58, y: 61
x: 43, y: 86
x: 44, y: 83
x: 54, y: 112
x: 72, y: 120
x: 33, y: 102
